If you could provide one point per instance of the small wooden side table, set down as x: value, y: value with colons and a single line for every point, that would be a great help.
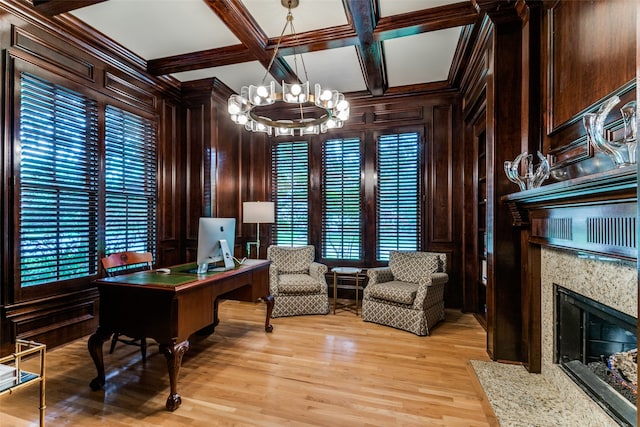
x: 345, y: 271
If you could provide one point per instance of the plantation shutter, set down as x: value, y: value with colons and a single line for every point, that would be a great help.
x: 130, y: 182
x: 58, y: 177
x: 398, y: 194
x: 341, y: 225
x: 290, y: 183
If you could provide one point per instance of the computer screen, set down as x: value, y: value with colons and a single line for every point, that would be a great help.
x: 215, y: 242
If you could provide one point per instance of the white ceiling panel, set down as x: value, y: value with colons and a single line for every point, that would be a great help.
x: 337, y: 69
x: 309, y: 15
x: 421, y: 58
x: 235, y: 76
x: 158, y: 28
x: 396, y: 7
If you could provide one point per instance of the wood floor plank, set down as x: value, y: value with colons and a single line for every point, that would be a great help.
x: 333, y: 370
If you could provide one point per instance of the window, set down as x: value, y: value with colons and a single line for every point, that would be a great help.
x: 341, y: 225
x: 290, y: 184
x: 398, y: 194
x: 63, y: 229
x: 130, y: 181
x: 58, y: 183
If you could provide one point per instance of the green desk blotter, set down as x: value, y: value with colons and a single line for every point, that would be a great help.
x: 153, y: 278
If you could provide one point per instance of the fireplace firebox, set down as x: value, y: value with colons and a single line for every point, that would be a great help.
x: 596, y: 346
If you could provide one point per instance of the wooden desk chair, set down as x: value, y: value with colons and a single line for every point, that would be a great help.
x: 122, y: 263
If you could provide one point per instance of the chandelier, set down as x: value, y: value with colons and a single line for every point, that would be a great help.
x: 324, y: 108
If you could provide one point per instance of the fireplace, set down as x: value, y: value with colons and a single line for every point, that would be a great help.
x: 582, y: 235
x: 596, y: 346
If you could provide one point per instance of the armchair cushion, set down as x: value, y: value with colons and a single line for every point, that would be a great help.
x: 298, y: 284
x: 292, y: 260
x: 396, y: 291
x: 413, y: 266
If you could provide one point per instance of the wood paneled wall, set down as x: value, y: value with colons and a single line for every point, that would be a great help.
x: 57, y: 313
x: 240, y: 166
x: 588, y: 55
x: 573, y: 56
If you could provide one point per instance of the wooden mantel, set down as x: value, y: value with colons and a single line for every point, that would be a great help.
x: 595, y: 214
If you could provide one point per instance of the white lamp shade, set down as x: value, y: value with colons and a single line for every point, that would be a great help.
x: 258, y: 212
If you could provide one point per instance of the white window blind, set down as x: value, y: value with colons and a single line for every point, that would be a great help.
x: 341, y: 225
x: 58, y: 179
x: 290, y: 184
x: 130, y: 182
x: 398, y: 194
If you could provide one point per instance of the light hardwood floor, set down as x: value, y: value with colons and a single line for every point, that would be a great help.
x: 333, y: 370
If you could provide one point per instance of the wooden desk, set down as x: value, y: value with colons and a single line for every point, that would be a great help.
x: 170, y: 308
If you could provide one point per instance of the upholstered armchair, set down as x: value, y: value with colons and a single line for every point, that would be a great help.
x: 296, y: 281
x: 409, y: 293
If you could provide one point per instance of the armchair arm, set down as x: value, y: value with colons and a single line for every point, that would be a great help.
x: 273, y: 279
x: 379, y: 275
x: 431, y: 287
x: 318, y: 271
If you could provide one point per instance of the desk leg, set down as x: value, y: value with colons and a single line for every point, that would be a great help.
x: 216, y: 319
x: 269, y: 300
x: 95, y: 350
x: 173, y: 354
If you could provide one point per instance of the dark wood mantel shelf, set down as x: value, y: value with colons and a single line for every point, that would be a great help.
x: 595, y: 213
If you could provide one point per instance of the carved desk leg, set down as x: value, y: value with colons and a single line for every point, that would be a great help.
x: 267, y: 323
x: 216, y: 319
x: 95, y: 350
x: 173, y: 354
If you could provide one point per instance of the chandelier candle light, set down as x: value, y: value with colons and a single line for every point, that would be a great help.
x: 332, y: 106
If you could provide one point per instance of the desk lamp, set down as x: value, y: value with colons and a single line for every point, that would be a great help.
x: 258, y: 213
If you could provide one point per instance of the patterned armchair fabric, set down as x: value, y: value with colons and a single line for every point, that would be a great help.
x: 409, y: 293
x: 296, y: 281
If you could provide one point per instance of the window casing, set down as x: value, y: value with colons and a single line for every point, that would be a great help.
x: 341, y: 207
x: 130, y: 183
x: 290, y: 186
x: 398, y: 213
x: 58, y: 184
x: 63, y: 224
x: 367, y: 198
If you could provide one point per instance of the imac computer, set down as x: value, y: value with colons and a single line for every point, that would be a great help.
x: 215, y: 243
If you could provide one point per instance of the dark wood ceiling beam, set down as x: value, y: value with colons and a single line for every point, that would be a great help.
x: 364, y: 16
x: 413, y: 89
x: 422, y: 21
x: 240, y: 22
x: 198, y: 60
x: 56, y: 7
x: 311, y: 41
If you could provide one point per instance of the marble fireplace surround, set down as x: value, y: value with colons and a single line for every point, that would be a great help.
x: 612, y: 282
x: 580, y: 234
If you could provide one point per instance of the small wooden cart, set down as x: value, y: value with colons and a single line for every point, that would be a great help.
x: 14, y: 378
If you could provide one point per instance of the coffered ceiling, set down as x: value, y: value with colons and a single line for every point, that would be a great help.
x: 354, y: 46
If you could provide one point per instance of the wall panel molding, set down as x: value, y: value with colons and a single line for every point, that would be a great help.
x: 67, y: 60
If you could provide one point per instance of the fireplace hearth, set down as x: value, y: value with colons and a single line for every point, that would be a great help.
x: 596, y: 346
